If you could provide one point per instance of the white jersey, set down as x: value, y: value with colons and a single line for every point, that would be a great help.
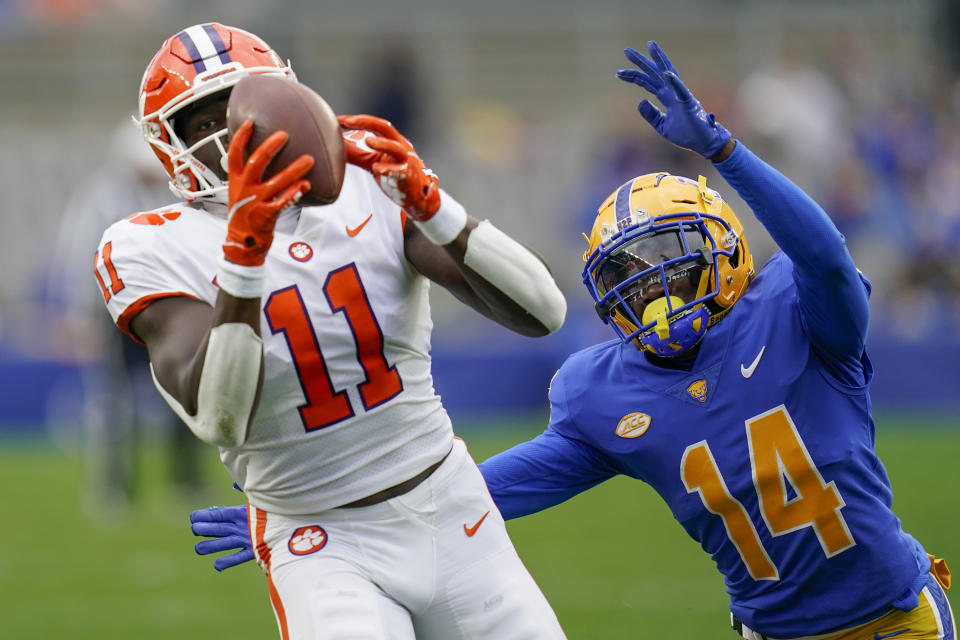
x: 348, y: 406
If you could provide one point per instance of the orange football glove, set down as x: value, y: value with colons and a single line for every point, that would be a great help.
x: 255, y: 205
x: 358, y: 152
x: 394, y: 163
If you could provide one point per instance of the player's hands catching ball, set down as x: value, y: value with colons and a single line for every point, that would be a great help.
x: 394, y: 163
x: 358, y: 151
x: 255, y: 205
x: 685, y: 123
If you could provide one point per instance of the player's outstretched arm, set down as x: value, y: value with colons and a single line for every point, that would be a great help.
x: 207, y: 362
x: 482, y: 266
x: 541, y: 473
x: 527, y: 478
x: 832, y: 296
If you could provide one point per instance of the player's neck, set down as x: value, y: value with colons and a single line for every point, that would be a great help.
x: 683, y: 362
x: 287, y: 220
x: 215, y: 208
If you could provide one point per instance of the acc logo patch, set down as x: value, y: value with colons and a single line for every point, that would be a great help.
x: 306, y: 540
x: 633, y: 425
x: 698, y: 390
x: 301, y: 251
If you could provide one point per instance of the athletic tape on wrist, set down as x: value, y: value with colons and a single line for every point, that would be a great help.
x: 228, y: 386
x: 446, y: 224
x: 242, y: 281
x: 517, y: 273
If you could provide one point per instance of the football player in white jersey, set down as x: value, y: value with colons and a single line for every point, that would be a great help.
x: 297, y: 340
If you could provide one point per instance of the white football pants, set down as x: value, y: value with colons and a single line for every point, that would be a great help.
x: 435, y: 564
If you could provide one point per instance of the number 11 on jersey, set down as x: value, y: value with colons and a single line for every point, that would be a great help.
x: 286, y: 313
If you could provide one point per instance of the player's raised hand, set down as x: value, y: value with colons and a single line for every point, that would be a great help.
x: 685, y: 123
x: 227, y: 526
x: 255, y: 203
x: 393, y: 161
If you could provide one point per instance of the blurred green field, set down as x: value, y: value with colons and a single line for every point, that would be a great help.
x: 612, y: 561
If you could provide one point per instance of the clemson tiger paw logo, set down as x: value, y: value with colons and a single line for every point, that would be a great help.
x: 301, y: 251
x: 306, y: 540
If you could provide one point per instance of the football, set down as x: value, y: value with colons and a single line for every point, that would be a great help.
x: 277, y: 103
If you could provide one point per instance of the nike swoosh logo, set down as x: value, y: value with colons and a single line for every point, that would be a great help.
x: 472, y: 530
x: 877, y: 636
x: 358, y: 228
x: 746, y: 372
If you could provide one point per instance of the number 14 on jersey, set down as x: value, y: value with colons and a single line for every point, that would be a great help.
x: 777, y: 454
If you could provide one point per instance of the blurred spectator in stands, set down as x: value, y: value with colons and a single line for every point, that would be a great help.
x: 392, y: 88
x: 119, y: 398
x: 792, y: 112
x: 926, y: 293
x: 946, y: 32
x: 909, y: 143
x: 890, y: 179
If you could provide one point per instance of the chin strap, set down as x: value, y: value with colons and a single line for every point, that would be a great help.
x: 712, y: 201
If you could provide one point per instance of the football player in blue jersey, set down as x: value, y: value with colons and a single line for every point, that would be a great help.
x: 741, y: 397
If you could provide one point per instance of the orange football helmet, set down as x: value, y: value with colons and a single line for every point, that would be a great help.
x: 197, y: 62
x: 666, y: 260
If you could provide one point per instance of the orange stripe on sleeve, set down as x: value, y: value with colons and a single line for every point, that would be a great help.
x: 123, y: 322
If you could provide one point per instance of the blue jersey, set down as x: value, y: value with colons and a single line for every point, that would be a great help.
x: 763, y: 448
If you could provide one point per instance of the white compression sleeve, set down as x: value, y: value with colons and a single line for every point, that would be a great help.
x: 517, y: 272
x: 228, y: 386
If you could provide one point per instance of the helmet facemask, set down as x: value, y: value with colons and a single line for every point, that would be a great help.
x: 657, y: 277
x: 204, y: 179
x: 656, y: 280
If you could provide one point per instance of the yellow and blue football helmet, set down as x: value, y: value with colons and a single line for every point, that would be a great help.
x: 667, y: 259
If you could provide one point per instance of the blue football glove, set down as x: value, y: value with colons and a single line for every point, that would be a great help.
x: 685, y: 123
x: 228, y: 528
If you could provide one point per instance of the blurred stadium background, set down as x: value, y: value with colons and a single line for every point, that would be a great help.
x: 515, y: 105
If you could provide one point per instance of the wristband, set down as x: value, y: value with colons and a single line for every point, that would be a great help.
x: 241, y: 281
x: 446, y: 224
